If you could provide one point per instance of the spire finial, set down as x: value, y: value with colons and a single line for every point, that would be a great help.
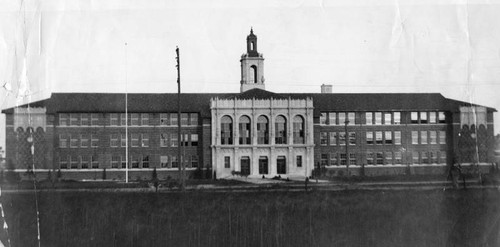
x: 251, y: 30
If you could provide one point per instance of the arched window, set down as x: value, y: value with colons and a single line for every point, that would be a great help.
x: 262, y: 130
x: 280, y: 130
x: 244, y: 130
x: 298, y: 130
x: 253, y: 73
x: 226, y: 130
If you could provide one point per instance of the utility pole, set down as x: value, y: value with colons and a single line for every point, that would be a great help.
x: 179, y: 153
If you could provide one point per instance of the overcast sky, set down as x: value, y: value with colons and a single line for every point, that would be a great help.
x: 449, y: 47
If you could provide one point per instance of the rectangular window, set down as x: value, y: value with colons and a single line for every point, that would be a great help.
x: 423, y: 117
x: 442, y: 137
x: 63, y: 162
x: 433, y: 157
x: 164, y: 119
x: 378, y: 137
x: 73, y: 119
x: 369, y: 138
x: 378, y: 118
x: 388, y: 158
x: 351, y: 118
x: 73, y: 141
x: 423, y: 137
x: 95, y: 162
x: 343, y: 159
x: 194, y: 160
x: 369, y: 118
x: 379, y: 158
x: 115, y: 160
x: 194, y: 140
x: 332, y: 118
x: 324, y: 160
x: 113, y: 140
x: 442, y: 157
x: 63, y: 141
x: 342, y: 118
x: 185, y: 140
x: 144, y: 119
x: 432, y: 117
x: 415, y: 158
x: 113, y: 119
x: 397, y: 158
x: 333, y: 159
x: 174, y: 119
x: 193, y: 119
x: 163, y: 140
x: 94, y: 119
x: 94, y: 141
x: 134, y: 140
x: 414, y: 137
x: 135, y: 161
x: 414, y: 117
x: 352, y: 138
x: 123, y: 119
x: 164, y: 161
x: 388, y: 137
x: 323, y: 138
x: 387, y: 118
x: 74, y: 162
x: 84, y: 162
x: 342, y: 138
x: 397, y: 137
x: 134, y: 119
x: 425, y: 158
x: 124, y: 162
x: 352, y: 159
x: 63, y: 120
x: 144, y: 140
x: 227, y: 162
x: 369, y: 158
x: 322, y: 118
x: 84, y: 140
x: 123, y: 140
x: 333, y: 138
x: 145, y: 161
x: 184, y: 119
x: 174, y: 140
x: 397, y: 117
x: 84, y: 118
x: 441, y: 117
x: 432, y: 137
x: 299, y: 161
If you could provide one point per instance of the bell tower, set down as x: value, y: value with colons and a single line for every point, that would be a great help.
x: 252, y: 66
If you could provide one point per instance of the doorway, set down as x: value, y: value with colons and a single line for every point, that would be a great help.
x: 281, y: 165
x: 245, y: 166
x: 263, y: 165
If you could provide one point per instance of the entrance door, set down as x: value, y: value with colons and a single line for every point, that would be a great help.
x: 281, y: 165
x: 245, y: 166
x: 263, y: 164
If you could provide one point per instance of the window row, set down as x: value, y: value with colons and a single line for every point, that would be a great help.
x: 79, y: 162
x: 143, y: 161
x: 78, y: 141
x: 245, y: 130
x: 383, y: 137
x: 380, y: 118
x: 428, y: 137
x: 384, y: 158
x: 245, y: 167
x: 120, y: 119
x: 337, y: 138
x: 424, y: 117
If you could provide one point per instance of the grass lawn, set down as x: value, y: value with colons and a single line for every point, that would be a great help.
x: 320, y: 218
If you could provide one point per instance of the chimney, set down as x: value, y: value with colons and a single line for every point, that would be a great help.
x: 326, y: 88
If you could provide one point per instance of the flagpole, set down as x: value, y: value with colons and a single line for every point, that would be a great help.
x: 126, y: 118
x: 179, y: 160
